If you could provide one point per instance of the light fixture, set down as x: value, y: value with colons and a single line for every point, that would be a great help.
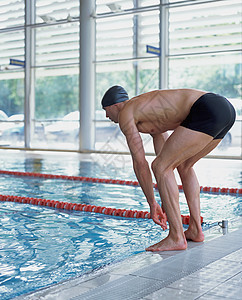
x: 69, y: 18
x: 114, y: 7
x: 48, y: 19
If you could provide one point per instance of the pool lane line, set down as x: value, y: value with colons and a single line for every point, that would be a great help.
x: 206, y: 189
x: 136, y: 214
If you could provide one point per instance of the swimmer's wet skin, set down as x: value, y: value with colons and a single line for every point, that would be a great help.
x: 199, y: 121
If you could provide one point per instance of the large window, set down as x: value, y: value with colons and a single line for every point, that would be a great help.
x: 140, y: 44
x: 56, y: 74
x: 122, y: 58
x: 201, y: 42
x: 51, y: 38
x: 205, y: 53
x: 12, y: 74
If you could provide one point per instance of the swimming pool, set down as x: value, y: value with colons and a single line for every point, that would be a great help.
x: 40, y: 246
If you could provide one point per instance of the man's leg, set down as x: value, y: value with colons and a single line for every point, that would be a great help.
x: 191, y: 189
x: 180, y: 146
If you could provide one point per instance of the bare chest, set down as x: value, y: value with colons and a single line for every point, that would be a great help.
x: 159, y: 119
x: 156, y: 127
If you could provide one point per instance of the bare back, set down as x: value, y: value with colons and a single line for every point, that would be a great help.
x: 161, y: 110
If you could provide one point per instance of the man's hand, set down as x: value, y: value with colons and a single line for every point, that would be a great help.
x: 158, y: 215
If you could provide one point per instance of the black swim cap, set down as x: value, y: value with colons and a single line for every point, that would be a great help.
x: 115, y: 94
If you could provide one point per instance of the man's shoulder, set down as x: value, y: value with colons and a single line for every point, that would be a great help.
x: 127, y: 113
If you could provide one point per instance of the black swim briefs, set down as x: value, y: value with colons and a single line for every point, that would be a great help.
x: 211, y: 114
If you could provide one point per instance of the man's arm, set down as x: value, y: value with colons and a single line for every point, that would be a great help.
x: 141, y: 167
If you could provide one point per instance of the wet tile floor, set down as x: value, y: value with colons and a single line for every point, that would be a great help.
x: 209, y: 270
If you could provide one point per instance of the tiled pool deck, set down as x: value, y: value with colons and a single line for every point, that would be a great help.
x: 209, y: 270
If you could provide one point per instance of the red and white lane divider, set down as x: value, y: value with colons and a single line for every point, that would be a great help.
x: 205, y: 189
x: 99, y: 209
x: 84, y: 207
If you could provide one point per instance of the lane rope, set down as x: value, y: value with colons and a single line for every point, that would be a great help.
x: 138, y: 214
x: 205, y: 189
x: 98, y: 209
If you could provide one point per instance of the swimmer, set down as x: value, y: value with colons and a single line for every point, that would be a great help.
x: 199, y: 120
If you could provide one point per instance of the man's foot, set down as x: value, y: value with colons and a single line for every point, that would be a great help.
x: 194, y: 235
x: 168, y: 244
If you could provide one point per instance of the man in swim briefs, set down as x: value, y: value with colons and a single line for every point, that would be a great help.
x: 199, y: 121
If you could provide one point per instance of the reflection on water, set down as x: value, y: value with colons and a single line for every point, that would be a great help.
x: 40, y: 246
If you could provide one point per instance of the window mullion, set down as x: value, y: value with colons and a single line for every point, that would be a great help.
x: 29, y: 103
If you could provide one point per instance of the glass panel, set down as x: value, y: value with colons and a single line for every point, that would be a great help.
x: 210, y: 28
x: 57, y: 45
x: 147, y: 31
x: 11, y: 48
x: 108, y: 135
x: 184, y: 1
x: 216, y: 73
x: 11, y: 13
x: 107, y: 6
x: 219, y: 73
x: 57, y: 84
x: 124, y: 74
x: 213, y: 27
x: 12, y: 89
x: 127, y: 36
x: 148, y: 75
x: 188, y: 2
x: 124, y: 37
x: 143, y: 3
x: 205, y: 27
x: 12, y: 112
x: 114, y: 73
x: 56, y: 109
x: 114, y: 38
x: 51, y: 10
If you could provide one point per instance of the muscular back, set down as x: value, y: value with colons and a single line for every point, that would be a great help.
x: 161, y: 110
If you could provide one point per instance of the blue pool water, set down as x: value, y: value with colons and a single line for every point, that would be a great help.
x: 41, y: 246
